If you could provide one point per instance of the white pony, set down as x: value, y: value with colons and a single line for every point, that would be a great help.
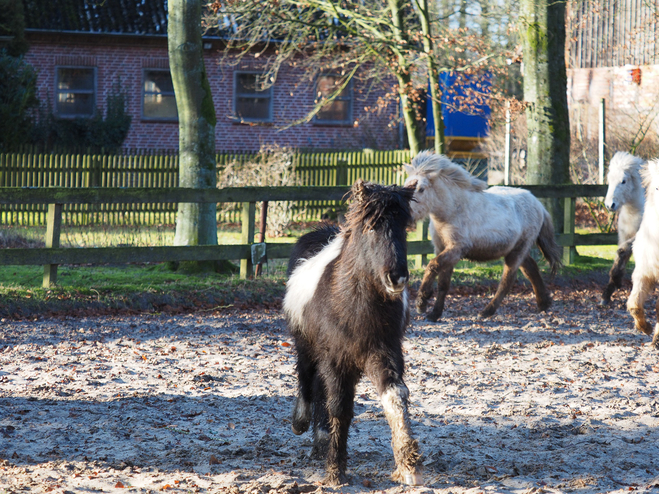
x: 468, y: 220
x: 627, y: 195
x: 646, y: 254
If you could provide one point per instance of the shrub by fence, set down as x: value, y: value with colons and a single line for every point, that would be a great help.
x: 137, y: 168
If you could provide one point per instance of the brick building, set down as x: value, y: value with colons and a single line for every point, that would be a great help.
x: 82, y: 49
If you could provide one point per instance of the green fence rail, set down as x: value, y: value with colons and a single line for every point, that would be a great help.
x: 52, y: 255
x: 160, y: 170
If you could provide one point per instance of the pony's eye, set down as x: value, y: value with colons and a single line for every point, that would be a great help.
x: 623, y: 181
x: 420, y: 189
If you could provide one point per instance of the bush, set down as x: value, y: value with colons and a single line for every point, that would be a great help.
x: 18, y: 100
x: 96, y: 133
x: 273, y: 166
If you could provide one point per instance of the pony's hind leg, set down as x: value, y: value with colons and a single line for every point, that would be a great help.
x: 306, y: 371
x: 655, y: 337
x: 340, y: 392
x: 394, y: 396
x: 542, y: 297
x: 506, y: 283
x: 321, y: 433
x: 617, y: 271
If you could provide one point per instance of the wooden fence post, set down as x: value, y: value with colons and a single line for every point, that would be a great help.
x: 247, y: 237
x: 569, y: 251
x: 52, y: 242
x: 421, y: 234
x: 507, y: 150
x: 602, y: 141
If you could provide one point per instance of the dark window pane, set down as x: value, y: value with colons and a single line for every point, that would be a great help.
x: 159, y: 106
x: 158, y: 81
x: 75, y: 104
x: 327, y: 84
x: 77, y: 79
x: 337, y: 110
x: 248, y: 84
x: 253, y: 108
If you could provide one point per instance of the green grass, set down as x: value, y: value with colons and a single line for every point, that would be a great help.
x: 156, y: 288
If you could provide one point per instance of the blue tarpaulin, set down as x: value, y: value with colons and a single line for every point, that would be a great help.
x: 473, y: 123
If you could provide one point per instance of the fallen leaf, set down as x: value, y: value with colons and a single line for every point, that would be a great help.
x: 119, y: 485
x: 213, y: 460
x: 286, y: 344
x: 366, y: 483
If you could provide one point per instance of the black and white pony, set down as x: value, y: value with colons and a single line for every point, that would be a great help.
x: 346, y: 306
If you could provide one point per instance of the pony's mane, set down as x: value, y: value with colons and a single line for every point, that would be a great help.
x: 648, y: 172
x: 624, y: 162
x: 371, y: 203
x: 430, y: 164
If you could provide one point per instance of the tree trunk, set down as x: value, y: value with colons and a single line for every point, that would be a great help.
x: 404, y: 78
x: 195, y: 223
x: 545, y: 92
x: 423, y: 11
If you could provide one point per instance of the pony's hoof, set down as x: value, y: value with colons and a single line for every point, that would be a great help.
x: 544, y: 305
x: 487, y: 312
x: 645, y: 328
x: 336, y: 479
x: 432, y: 317
x: 655, y: 338
x: 421, y: 305
x: 604, y: 302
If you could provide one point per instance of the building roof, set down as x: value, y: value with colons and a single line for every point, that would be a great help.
x: 141, y: 17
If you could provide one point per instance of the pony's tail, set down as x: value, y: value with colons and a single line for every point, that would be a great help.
x: 548, y: 246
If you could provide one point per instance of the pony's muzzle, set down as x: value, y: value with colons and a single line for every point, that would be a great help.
x: 612, y: 206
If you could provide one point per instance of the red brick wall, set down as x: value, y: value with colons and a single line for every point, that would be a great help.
x: 125, y: 57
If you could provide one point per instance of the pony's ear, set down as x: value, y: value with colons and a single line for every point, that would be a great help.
x: 412, y: 185
x: 409, y: 169
x: 358, y: 190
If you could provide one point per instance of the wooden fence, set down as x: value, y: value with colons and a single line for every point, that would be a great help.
x: 52, y: 255
x: 151, y: 170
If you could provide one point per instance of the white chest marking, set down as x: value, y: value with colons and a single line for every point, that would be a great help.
x: 302, y: 284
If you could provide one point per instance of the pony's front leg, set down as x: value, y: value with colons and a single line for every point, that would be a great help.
x: 394, y: 397
x: 617, y: 271
x: 640, y: 290
x: 442, y: 265
x: 443, y: 285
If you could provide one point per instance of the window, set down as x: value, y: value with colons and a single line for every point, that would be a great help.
x: 158, y: 100
x: 75, y: 91
x: 338, y: 111
x: 251, y: 102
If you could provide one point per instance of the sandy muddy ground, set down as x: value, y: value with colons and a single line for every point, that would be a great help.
x: 560, y: 402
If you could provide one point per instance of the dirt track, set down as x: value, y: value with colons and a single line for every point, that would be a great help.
x: 523, y: 402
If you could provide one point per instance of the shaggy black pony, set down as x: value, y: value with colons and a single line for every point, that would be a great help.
x: 346, y: 305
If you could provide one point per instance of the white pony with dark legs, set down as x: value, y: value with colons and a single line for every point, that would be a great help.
x: 646, y: 254
x: 626, y: 195
x: 470, y: 221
